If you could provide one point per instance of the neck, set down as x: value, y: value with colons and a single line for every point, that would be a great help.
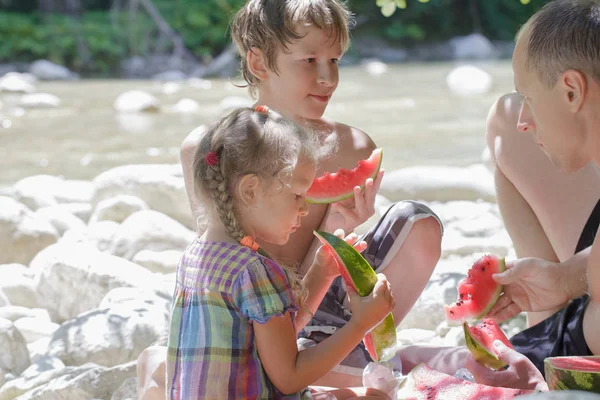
x: 266, y: 100
x: 216, y: 232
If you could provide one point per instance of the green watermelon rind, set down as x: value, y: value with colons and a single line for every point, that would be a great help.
x: 364, y: 279
x: 570, y: 379
x: 480, y: 353
x: 344, y: 196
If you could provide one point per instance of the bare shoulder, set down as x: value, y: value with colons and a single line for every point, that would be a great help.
x: 193, y: 138
x: 353, y: 144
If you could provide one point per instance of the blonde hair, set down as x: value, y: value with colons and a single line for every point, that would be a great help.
x: 563, y: 35
x: 270, y: 25
x: 245, y: 142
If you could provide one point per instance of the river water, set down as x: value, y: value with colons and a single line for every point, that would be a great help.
x: 409, y: 111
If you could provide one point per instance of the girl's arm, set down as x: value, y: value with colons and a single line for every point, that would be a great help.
x: 290, y: 370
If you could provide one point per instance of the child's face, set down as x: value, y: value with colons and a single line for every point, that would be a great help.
x: 307, y: 74
x: 278, y: 210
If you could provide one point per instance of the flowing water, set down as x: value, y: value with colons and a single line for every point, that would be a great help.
x: 409, y: 111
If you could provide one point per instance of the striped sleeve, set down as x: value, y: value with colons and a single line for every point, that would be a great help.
x: 263, y: 291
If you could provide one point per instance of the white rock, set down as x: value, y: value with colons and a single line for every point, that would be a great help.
x: 38, y: 349
x: 14, y: 356
x: 186, y: 106
x: 18, y: 287
x: 160, y: 186
x: 42, y: 364
x: 455, y: 243
x: 439, y: 183
x: 60, y: 218
x: 127, y: 391
x: 149, y: 230
x: 83, y: 272
x: 473, y: 46
x: 46, y: 70
x: 22, y: 233
x: 468, y: 80
x: 13, y: 313
x: 117, y: 208
x: 375, y: 67
x: 14, y: 82
x: 46, y: 190
x: 83, y: 211
x: 124, y: 295
x: 455, y: 337
x: 414, y: 336
x: 99, y: 234
x: 34, y: 329
x: 110, y: 336
x: 22, y: 385
x: 163, y: 262
x: 136, y: 101
x: 3, y: 300
x: 2, y: 378
x: 39, y: 100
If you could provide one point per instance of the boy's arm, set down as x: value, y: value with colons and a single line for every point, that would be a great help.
x: 591, y: 316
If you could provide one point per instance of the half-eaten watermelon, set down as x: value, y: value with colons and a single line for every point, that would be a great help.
x: 424, y: 383
x: 336, y: 186
x: 480, y: 341
x: 358, y: 274
x: 478, y: 292
x: 573, y: 373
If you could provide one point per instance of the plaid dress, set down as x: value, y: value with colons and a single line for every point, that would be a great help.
x: 221, y: 288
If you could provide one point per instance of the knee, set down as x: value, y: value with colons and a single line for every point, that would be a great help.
x: 501, y: 126
x: 426, y: 240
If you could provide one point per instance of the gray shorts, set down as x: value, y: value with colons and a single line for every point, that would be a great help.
x: 383, y: 242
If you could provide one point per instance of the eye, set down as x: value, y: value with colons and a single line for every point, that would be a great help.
x: 310, y: 60
x: 334, y: 60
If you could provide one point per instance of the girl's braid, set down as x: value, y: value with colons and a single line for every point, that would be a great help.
x: 219, y: 189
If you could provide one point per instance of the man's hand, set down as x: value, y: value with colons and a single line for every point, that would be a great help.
x: 530, y: 284
x: 520, y: 374
x: 350, y: 213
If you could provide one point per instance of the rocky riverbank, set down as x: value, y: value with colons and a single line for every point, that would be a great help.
x: 88, y: 266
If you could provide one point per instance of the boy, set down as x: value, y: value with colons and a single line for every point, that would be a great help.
x: 290, y: 52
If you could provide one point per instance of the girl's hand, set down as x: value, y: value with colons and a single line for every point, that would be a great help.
x: 369, y: 311
x: 326, y: 261
x: 520, y: 374
x: 350, y: 213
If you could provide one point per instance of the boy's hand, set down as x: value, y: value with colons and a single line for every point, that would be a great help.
x: 350, y: 213
x: 325, y: 260
x: 520, y: 374
x: 370, y: 310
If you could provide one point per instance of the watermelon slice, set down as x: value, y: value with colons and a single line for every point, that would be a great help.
x: 573, y: 373
x: 424, y: 383
x: 480, y: 339
x: 336, y: 186
x: 478, y: 292
x: 358, y: 274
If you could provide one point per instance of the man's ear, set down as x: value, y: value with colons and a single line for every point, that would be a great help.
x: 249, y: 190
x: 257, y: 63
x: 575, y: 89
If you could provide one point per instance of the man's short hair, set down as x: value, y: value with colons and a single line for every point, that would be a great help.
x: 270, y: 25
x: 563, y: 35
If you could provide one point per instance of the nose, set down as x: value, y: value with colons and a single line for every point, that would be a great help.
x: 304, y: 209
x: 525, y: 122
x: 328, y: 74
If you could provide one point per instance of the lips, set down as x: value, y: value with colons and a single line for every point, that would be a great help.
x: 322, y: 99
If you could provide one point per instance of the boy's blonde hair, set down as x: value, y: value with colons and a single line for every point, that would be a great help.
x: 270, y: 25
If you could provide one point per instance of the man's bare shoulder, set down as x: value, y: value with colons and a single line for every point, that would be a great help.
x: 193, y: 138
x: 353, y: 144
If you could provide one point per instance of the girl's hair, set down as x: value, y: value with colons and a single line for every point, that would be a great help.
x: 270, y: 25
x: 247, y: 141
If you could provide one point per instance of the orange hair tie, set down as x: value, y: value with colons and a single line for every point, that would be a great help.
x: 262, y: 109
x: 250, y: 243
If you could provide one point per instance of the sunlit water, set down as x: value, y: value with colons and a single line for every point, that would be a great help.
x: 409, y: 111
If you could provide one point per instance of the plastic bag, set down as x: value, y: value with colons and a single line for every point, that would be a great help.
x: 383, y: 376
x: 464, y: 374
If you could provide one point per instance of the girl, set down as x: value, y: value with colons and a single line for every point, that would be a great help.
x: 236, y: 311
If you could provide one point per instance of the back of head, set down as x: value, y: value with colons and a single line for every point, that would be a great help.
x: 270, y: 25
x: 564, y: 35
x: 245, y: 142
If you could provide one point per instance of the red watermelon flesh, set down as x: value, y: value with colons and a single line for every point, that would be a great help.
x: 480, y: 341
x: 425, y: 383
x: 336, y: 186
x: 478, y: 292
x: 585, y: 364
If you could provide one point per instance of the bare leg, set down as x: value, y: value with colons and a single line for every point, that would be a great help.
x: 544, y: 210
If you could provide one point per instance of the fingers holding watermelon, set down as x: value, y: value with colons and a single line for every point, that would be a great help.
x: 369, y: 311
x: 326, y: 260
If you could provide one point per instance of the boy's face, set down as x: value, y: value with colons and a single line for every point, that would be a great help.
x: 306, y: 77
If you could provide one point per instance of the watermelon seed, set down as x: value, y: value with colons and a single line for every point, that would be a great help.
x: 482, y: 269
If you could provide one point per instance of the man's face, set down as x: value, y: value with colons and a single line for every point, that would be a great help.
x: 306, y: 77
x: 546, y: 114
